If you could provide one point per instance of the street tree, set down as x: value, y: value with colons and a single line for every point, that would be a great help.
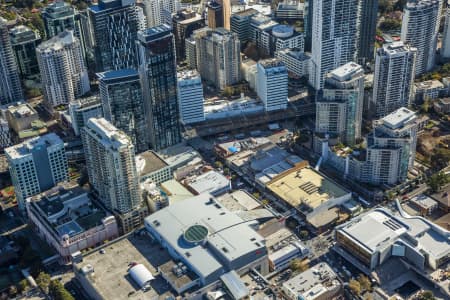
x: 354, y: 286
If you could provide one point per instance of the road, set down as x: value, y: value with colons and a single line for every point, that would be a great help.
x: 14, y: 230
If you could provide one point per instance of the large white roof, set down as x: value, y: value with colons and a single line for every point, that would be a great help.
x: 141, y: 275
x: 228, y: 237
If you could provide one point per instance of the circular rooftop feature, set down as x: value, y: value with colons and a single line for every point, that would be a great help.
x: 196, y: 233
x: 283, y: 31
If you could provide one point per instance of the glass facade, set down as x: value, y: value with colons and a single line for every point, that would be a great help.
x: 157, y: 68
x: 114, y: 27
x: 123, y: 104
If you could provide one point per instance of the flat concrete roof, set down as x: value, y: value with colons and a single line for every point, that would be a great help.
x: 178, y: 155
x: 227, y: 234
x: 175, y: 191
x: 398, y: 118
x: 313, y: 282
x: 347, y: 71
x: 239, y: 200
x: 149, y: 162
x: 209, y: 182
x: 379, y: 228
x: 111, y: 279
x: 304, y: 185
x: 374, y: 229
x: 25, y: 148
x: 424, y: 201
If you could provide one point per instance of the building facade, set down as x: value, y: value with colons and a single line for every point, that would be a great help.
x: 24, y: 42
x: 272, y: 87
x: 36, y: 165
x: 5, y: 135
x: 59, y: 16
x: 190, y: 97
x: 123, y: 104
x: 64, y: 74
x: 420, y: 28
x: 393, y: 78
x: 114, y: 27
x: 218, y: 56
x: 445, y: 48
x: 110, y: 162
x: 158, y: 73
x: 20, y: 116
x: 367, y: 31
x: 389, y: 154
x: 184, y: 23
x: 82, y: 109
x: 168, y: 8
x: 334, y: 37
x: 152, y: 11
x: 10, y: 88
x: 68, y: 220
x: 215, y: 14
x: 240, y: 24
x: 297, y: 62
x: 339, y: 107
x: 391, y: 148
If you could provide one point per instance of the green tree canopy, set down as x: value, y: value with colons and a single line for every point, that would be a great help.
x: 43, y: 281
x: 58, y: 292
x: 438, y: 180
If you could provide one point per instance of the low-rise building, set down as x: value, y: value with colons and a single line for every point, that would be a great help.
x: 104, y: 272
x: 311, y: 193
x: 281, y: 258
x: 428, y: 90
x: 317, y: 283
x: 234, y: 286
x: 297, y: 62
x: 179, y: 155
x: 207, y: 239
x: 175, y: 191
x: 210, y: 182
x: 425, y: 205
x: 153, y: 196
x: 372, y: 238
x: 68, y: 220
x: 150, y: 166
x: 271, y: 37
x: 258, y: 159
x: 20, y: 116
x: 239, y: 200
x: 224, y: 109
x: 290, y: 10
x: 442, y: 105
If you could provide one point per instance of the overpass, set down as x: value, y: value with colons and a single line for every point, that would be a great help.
x: 213, y: 127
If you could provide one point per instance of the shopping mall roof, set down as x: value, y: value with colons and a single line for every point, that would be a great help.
x: 379, y: 228
x: 186, y: 226
x: 305, y: 186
